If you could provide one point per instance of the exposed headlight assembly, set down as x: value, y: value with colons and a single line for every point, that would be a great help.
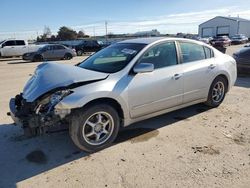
x: 58, y: 96
x: 51, y: 101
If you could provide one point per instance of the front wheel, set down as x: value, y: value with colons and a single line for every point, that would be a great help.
x: 217, y: 92
x: 94, y: 128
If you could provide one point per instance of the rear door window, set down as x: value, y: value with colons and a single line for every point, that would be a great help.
x: 58, y: 47
x: 20, y: 43
x: 191, y: 52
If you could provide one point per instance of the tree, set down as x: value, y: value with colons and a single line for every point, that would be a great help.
x: 80, y: 34
x: 47, y: 32
x: 66, y: 33
x: 53, y: 38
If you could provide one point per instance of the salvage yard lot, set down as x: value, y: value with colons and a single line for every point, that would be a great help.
x: 192, y: 147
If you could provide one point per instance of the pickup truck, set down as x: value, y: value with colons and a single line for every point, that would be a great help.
x: 10, y: 48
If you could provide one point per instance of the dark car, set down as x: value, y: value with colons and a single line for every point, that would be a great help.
x: 239, y: 39
x: 50, y: 52
x: 242, y: 58
x: 221, y: 41
x: 87, y: 46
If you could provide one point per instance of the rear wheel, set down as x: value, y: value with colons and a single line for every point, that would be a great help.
x: 95, y: 127
x: 79, y: 52
x: 37, y: 58
x: 217, y: 92
x: 68, y: 56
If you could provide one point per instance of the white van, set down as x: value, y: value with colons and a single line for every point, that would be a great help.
x: 10, y: 48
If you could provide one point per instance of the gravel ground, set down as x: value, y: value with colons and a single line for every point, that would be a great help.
x: 192, y: 147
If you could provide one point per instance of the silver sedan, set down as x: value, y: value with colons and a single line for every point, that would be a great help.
x: 50, y: 52
x: 124, y: 83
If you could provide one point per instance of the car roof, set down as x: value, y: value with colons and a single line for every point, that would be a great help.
x: 150, y: 40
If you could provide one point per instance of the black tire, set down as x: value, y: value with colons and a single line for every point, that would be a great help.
x: 212, y: 95
x: 37, y: 58
x: 68, y: 56
x: 78, y: 125
x: 79, y: 52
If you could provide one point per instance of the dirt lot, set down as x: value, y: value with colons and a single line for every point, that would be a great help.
x: 192, y: 147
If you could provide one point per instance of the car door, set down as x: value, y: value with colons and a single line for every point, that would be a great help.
x: 199, y: 68
x: 160, y: 89
x: 243, y: 61
x: 49, y: 52
x: 59, y: 52
x: 8, y: 48
x: 88, y: 46
x: 20, y: 48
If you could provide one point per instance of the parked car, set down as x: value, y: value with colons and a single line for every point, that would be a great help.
x: 206, y: 40
x: 242, y: 58
x: 10, y: 48
x: 50, y: 52
x: 124, y: 83
x: 247, y: 45
x: 221, y: 41
x: 239, y: 39
x: 87, y: 46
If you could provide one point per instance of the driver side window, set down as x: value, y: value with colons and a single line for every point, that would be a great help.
x: 162, y: 55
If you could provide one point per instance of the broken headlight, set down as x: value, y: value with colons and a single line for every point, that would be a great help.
x: 48, y: 104
x: 58, y: 96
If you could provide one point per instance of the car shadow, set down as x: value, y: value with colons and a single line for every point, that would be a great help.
x: 22, y: 158
x: 9, y: 59
x: 21, y: 62
x: 243, y: 81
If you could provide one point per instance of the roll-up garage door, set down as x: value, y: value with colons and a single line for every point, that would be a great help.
x: 207, y: 32
x: 223, y: 30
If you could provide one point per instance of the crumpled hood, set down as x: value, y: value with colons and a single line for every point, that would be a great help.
x: 49, y: 76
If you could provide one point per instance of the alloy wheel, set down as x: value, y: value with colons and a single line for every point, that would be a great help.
x: 98, y: 128
x: 218, y: 92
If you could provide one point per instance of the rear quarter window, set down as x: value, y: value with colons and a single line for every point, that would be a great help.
x: 208, y: 52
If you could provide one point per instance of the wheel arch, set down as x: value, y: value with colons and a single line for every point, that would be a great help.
x: 225, y: 77
x: 109, y: 101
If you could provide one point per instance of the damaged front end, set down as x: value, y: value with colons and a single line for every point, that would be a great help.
x: 36, y: 118
x: 35, y: 110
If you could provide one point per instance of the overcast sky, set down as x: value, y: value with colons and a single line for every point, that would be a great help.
x: 27, y: 18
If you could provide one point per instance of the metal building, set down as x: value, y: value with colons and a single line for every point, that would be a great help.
x: 225, y: 26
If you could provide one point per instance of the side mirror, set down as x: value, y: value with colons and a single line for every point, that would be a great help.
x: 143, y: 67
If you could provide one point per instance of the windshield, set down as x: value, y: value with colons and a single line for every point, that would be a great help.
x: 2, y: 41
x: 112, y: 59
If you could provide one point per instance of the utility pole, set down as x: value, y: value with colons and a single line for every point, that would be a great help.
x: 106, y: 29
x: 94, y: 31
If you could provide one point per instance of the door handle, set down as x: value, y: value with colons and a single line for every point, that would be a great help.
x: 177, y: 76
x: 212, y: 66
